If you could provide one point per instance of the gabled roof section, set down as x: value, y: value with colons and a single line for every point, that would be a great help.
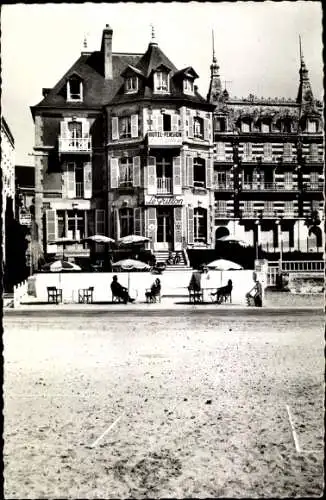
x: 188, y: 72
x: 130, y: 70
x: 97, y: 90
x: 152, y: 59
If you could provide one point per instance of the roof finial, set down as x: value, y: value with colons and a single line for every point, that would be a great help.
x: 153, y: 34
x: 214, y: 57
x: 85, y: 42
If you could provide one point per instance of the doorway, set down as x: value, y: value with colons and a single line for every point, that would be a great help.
x: 164, y: 239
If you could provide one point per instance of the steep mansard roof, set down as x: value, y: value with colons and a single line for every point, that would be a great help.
x: 97, y: 90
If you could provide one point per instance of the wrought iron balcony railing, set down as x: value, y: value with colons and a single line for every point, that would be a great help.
x: 75, y: 144
x: 164, y: 185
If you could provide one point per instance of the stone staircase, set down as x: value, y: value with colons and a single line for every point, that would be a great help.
x: 162, y: 256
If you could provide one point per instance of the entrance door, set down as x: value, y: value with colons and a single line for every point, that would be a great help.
x: 164, y: 229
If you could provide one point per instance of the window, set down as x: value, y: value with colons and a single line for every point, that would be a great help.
x: 219, y: 125
x: 198, y: 127
x: 161, y: 81
x: 199, y: 172
x: 166, y: 122
x: 126, y: 221
x: 245, y: 126
x: 131, y: 84
x: 268, y: 208
x: 288, y: 207
x: 313, y: 152
x: 287, y: 126
x: 311, y: 126
x: 79, y: 177
x: 287, y: 150
x: 314, y: 178
x: 265, y: 127
x: 75, y: 129
x: 74, y: 89
x: 125, y: 127
x: 125, y: 172
x: 188, y: 86
x: 61, y: 223
x: 247, y: 151
x: 200, y: 225
x: 268, y: 151
x: 76, y: 224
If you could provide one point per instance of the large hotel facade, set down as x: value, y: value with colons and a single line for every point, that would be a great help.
x: 124, y: 144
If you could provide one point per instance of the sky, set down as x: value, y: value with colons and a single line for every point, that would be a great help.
x: 256, y: 45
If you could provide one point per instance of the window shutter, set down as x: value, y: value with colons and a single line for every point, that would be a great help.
x: 116, y: 226
x: 267, y: 151
x: 151, y: 175
x: 247, y: 150
x: 220, y: 151
x: 209, y: 232
x: 313, y: 151
x: 151, y: 223
x: 178, y: 227
x: 206, y: 130
x: 190, y: 225
x: 177, y: 175
x: 115, y: 128
x: 209, y: 172
x: 262, y: 178
x: 159, y: 123
x: 90, y: 222
x: 100, y: 221
x: 175, y: 123
x: 184, y: 170
x: 190, y: 126
x: 51, y: 225
x: 88, y: 180
x: 71, y: 184
x: 114, y: 170
x: 134, y: 125
x: 138, y: 221
x: 85, y: 124
x: 64, y: 131
x: 190, y: 170
x: 65, y: 181
x: 287, y: 150
x: 136, y: 171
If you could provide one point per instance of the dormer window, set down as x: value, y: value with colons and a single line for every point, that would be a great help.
x: 245, y: 126
x: 131, y: 84
x: 74, y: 89
x: 188, y: 86
x: 161, y: 81
x: 265, y: 127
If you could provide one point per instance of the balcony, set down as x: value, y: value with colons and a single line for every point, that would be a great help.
x: 75, y: 145
x: 223, y: 186
x: 164, y: 139
x: 314, y: 159
x: 315, y: 186
x: 223, y: 214
x: 164, y: 185
x: 269, y: 186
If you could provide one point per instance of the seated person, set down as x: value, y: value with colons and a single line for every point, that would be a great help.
x: 256, y: 293
x: 223, y: 292
x: 120, y: 291
x: 154, y: 291
x: 195, y: 284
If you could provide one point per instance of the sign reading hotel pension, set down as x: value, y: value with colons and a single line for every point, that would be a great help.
x: 163, y: 201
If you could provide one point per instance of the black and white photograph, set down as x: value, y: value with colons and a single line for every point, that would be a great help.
x: 163, y: 237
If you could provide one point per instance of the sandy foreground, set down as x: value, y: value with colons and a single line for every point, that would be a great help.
x: 164, y: 405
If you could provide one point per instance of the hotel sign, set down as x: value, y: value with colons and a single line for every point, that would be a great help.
x: 164, y: 138
x: 163, y: 201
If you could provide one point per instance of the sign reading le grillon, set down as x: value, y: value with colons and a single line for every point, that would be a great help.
x: 164, y: 201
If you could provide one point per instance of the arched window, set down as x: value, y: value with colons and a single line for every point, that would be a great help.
x: 126, y: 221
x: 200, y: 225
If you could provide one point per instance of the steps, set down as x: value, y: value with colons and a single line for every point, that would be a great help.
x: 163, y: 255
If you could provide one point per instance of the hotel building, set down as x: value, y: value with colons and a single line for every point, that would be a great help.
x: 125, y: 144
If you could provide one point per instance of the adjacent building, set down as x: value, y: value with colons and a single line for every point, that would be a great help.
x: 7, y: 181
x: 125, y: 144
x: 268, y: 166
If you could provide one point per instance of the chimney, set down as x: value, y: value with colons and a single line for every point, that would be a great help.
x: 106, y: 50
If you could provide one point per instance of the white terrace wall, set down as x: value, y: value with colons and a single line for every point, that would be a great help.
x: 174, y: 283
